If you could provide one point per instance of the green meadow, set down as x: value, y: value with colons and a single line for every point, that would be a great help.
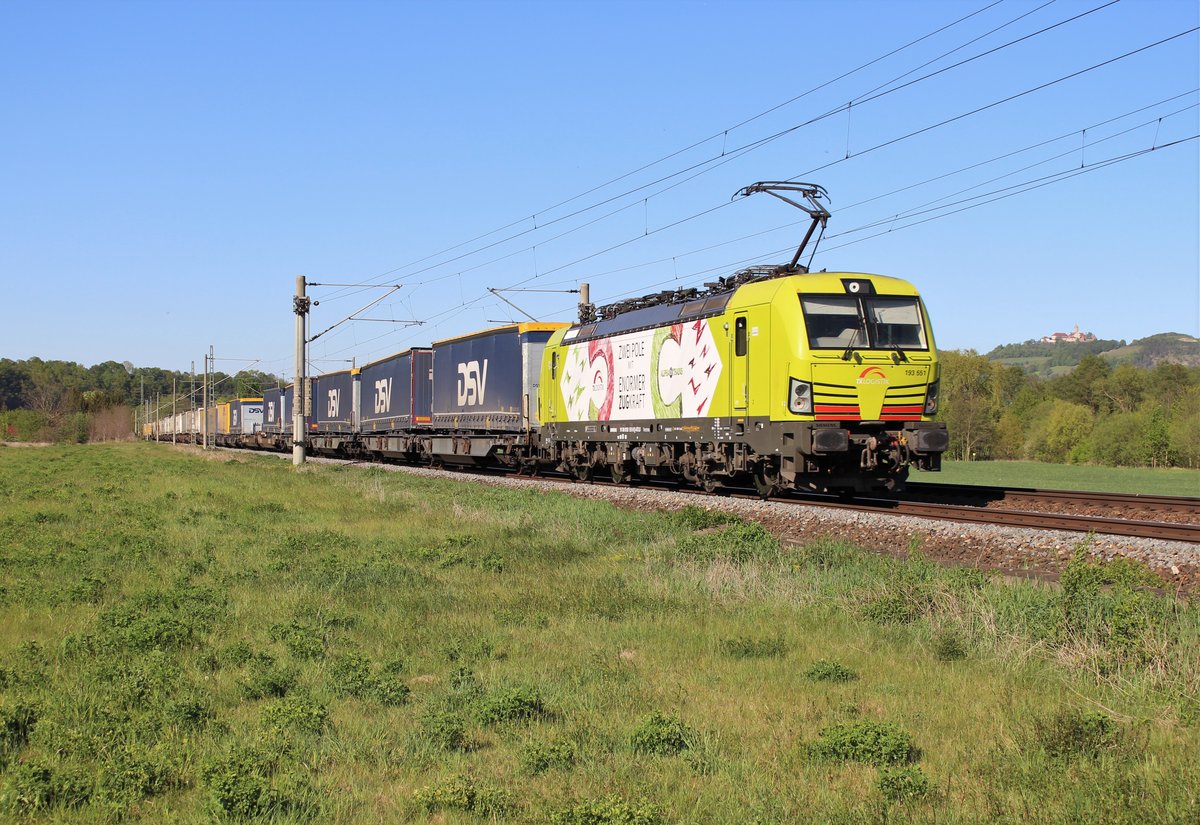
x: 190, y: 639
x: 1160, y: 481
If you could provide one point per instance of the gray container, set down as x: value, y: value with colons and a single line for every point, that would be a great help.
x: 489, y: 380
x: 277, y: 410
x: 334, y: 402
x: 396, y: 393
x: 245, y: 416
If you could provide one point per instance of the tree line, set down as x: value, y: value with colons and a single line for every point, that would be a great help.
x: 62, y: 400
x: 1122, y: 415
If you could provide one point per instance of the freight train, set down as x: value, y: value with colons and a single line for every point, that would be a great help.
x: 777, y: 377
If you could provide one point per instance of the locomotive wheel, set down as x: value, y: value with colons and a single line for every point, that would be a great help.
x: 709, y: 484
x: 765, y: 482
x: 583, y: 472
x: 620, y: 475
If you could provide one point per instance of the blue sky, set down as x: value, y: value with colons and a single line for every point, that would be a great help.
x: 168, y: 168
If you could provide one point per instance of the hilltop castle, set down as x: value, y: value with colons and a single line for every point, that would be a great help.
x: 1075, y: 337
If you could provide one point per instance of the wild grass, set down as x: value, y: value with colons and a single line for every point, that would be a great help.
x: 195, y: 640
x: 1161, y: 481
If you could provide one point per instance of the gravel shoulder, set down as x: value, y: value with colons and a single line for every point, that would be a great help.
x: 1014, y: 551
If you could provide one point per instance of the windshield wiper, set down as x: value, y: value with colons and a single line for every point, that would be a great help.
x: 901, y: 355
x: 850, y: 346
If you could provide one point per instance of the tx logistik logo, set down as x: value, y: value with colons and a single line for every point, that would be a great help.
x: 872, y: 375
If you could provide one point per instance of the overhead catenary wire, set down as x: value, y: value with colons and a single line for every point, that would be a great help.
x: 727, y: 266
x: 716, y: 160
x: 855, y: 155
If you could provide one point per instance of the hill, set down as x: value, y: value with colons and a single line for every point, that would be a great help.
x: 1049, y: 360
x: 1164, y: 348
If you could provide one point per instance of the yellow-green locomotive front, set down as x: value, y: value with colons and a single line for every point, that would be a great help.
x: 819, y: 381
x: 861, y: 382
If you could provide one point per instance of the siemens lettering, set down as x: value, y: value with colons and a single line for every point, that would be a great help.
x: 472, y: 383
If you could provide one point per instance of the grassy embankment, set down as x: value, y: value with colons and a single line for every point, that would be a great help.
x: 1165, y: 481
x: 186, y: 639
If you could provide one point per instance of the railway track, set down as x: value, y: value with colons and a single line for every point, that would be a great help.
x: 967, y: 494
x: 1036, y: 519
x: 978, y: 505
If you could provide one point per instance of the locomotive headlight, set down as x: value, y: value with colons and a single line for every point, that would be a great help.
x: 800, y: 399
x: 931, y: 399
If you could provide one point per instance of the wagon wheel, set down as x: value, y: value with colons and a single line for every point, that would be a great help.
x: 583, y: 472
x: 766, y: 481
x: 709, y: 484
x: 620, y: 475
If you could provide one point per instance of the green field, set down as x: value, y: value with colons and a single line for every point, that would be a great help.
x: 189, y: 640
x: 1166, y: 481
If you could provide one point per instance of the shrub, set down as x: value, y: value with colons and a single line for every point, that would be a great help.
x: 826, y: 670
x: 537, y: 758
x: 745, y: 647
x: 266, y: 681
x: 827, y: 553
x: 900, y: 784
x: 88, y: 590
x: 388, y: 689
x: 445, y: 730
x: 462, y: 794
x: 892, y: 608
x: 296, y: 713
x: 16, y: 723
x: 661, y: 735
x: 129, y: 776
x: 351, y: 674
x: 875, y: 743
x: 29, y: 789
x: 692, y: 517
x: 1078, y: 733
x: 511, y: 703
x: 247, y: 783
x: 301, y: 641
x: 737, y: 543
x: 949, y: 645
x: 609, y: 811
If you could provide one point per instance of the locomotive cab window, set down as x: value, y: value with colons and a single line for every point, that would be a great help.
x: 864, y: 322
x: 832, y: 321
x: 896, y: 322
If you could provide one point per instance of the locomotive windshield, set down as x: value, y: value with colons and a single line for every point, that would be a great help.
x: 867, y: 322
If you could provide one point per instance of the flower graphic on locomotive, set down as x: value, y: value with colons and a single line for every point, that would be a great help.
x: 669, y: 372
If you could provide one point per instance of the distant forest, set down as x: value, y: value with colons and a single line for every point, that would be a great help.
x: 1098, y: 413
x: 61, y: 400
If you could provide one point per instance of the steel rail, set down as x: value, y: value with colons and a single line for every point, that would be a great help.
x: 971, y: 492
x: 1032, y: 519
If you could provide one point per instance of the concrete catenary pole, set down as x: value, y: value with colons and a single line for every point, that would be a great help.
x: 204, y: 405
x: 300, y: 306
x: 174, y: 398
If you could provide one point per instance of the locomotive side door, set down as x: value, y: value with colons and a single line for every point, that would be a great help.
x: 739, y: 384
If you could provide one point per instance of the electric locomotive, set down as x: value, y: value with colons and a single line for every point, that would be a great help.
x: 822, y: 381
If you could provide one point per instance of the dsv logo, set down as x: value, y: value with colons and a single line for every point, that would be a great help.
x: 383, y: 395
x: 335, y: 402
x: 270, y: 412
x: 472, y: 383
